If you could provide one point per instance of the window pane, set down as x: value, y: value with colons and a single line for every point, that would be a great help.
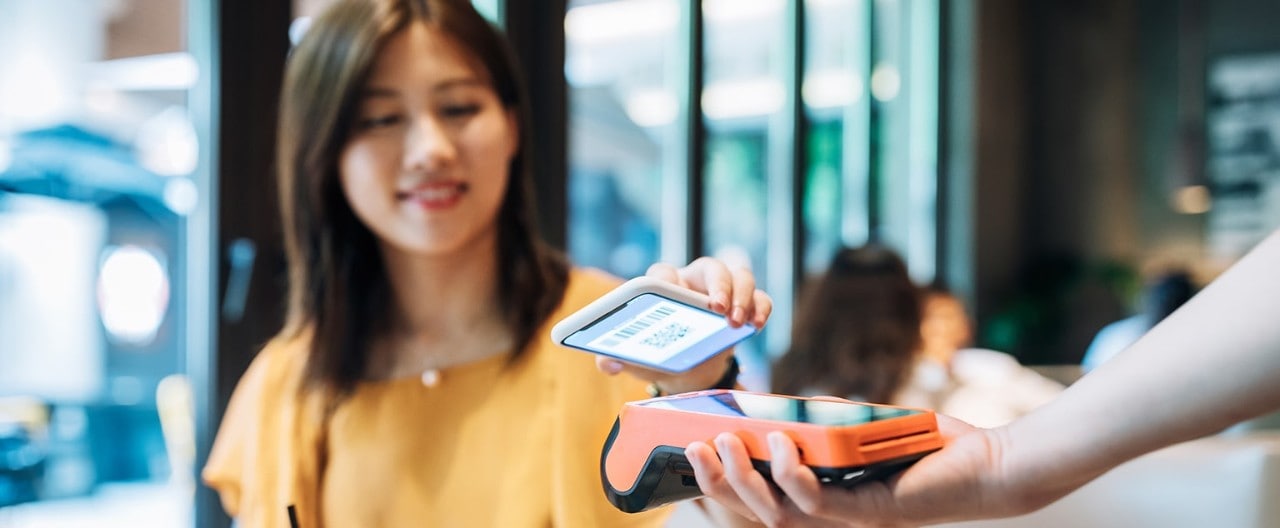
x: 904, y: 90
x: 624, y: 63
x: 748, y: 146
x: 97, y: 161
x: 491, y: 9
x: 837, y: 51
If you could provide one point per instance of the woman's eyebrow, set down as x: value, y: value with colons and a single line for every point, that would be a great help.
x: 457, y: 82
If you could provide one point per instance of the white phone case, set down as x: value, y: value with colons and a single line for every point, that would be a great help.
x: 619, y: 296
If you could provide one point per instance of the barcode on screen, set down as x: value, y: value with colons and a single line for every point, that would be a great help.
x: 645, y: 321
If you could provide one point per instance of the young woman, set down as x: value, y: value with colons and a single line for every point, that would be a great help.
x: 856, y: 332
x: 982, y: 387
x: 415, y: 383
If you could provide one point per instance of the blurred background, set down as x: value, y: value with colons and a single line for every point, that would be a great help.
x: 1044, y: 160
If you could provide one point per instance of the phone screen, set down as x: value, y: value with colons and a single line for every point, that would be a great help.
x: 782, y: 408
x: 655, y: 331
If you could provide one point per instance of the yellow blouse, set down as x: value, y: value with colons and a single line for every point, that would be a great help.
x: 490, y: 444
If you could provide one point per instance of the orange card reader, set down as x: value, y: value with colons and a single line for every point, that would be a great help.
x: 643, y: 465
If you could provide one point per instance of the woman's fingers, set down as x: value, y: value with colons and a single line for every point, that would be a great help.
x: 763, y: 309
x: 744, y: 290
x: 666, y: 272
x: 712, y: 277
x: 730, y: 291
x: 609, y: 365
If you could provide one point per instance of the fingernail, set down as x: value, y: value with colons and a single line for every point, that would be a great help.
x: 613, y: 367
x: 722, y: 302
x: 775, y: 441
x: 739, y: 315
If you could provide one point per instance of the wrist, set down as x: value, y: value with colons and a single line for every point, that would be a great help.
x: 1033, y: 467
x: 728, y: 380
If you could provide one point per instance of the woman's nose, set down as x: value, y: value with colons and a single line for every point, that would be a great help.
x: 428, y: 145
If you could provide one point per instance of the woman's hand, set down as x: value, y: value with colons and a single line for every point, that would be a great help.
x: 965, y: 479
x: 732, y: 293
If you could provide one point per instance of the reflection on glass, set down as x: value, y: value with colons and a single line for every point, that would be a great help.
x: 96, y: 164
x: 623, y: 60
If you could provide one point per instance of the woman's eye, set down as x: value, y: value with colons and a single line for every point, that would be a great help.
x: 460, y: 110
x: 367, y: 123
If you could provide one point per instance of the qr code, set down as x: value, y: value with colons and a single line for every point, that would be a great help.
x: 664, y: 337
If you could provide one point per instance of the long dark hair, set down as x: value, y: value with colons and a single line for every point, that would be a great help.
x: 856, y: 329
x: 337, y: 285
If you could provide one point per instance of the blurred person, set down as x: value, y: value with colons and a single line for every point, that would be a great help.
x: 856, y: 331
x: 980, y: 386
x: 1159, y: 299
x: 415, y: 382
x: 865, y: 332
x: 1218, y: 357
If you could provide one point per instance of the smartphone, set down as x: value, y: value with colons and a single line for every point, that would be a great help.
x: 845, y: 443
x: 652, y: 323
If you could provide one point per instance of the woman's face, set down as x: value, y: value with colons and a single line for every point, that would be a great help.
x: 944, y: 324
x: 428, y: 158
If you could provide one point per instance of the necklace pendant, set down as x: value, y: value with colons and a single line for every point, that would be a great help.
x: 430, y: 377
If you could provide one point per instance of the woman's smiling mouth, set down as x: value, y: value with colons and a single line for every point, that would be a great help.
x: 435, y: 195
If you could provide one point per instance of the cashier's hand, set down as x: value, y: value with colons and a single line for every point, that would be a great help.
x: 733, y: 293
x: 964, y: 478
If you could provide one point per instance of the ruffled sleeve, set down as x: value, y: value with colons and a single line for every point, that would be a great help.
x: 269, y: 448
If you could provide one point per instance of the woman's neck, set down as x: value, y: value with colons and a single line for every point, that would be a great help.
x: 440, y: 306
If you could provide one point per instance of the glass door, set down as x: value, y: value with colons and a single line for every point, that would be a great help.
x: 98, y: 182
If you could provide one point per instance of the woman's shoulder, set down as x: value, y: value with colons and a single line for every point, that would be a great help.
x: 980, y: 364
x: 279, y: 363
x: 288, y: 349
x: 270, y: 388
x: 586, y: 285
x: 984, y: 355
x: 991, y: 367
x: 266, y: 420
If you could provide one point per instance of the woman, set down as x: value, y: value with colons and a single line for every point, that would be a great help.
x: 415, y: 382
x: 983, y: 387
x: 856, y: 332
